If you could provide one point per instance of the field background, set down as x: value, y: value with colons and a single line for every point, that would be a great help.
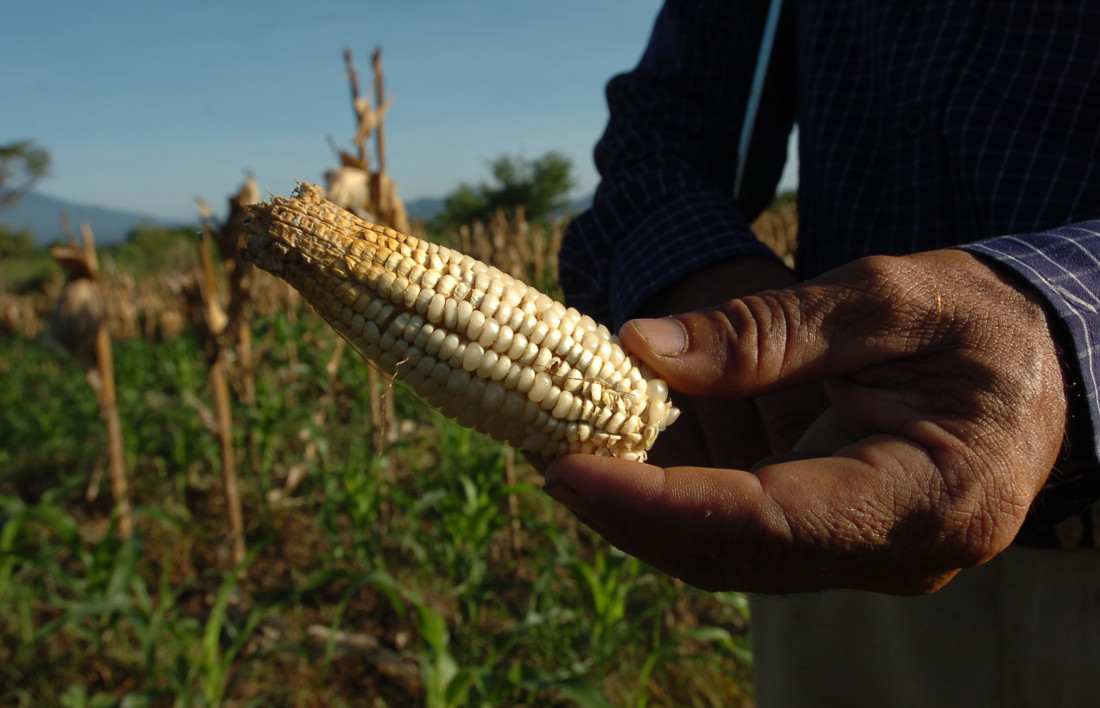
x: 394, y: 567
x: 206, y: 499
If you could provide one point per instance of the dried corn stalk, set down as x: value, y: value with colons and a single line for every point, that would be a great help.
x: 78, y: 325
x: 485, y: 348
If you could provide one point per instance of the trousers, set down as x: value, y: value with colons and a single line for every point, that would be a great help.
x: 1020, y: 630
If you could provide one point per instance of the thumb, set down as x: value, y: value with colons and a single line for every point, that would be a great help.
x: 775, y: 339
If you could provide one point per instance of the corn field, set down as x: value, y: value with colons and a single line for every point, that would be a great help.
x: 205, y: 500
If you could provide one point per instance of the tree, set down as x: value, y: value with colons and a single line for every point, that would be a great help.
x: 540, y: 186
x: 16, y: 244
x: 22, y: 164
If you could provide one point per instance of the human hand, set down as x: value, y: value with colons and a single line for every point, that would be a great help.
x: 941, y: 371
x: 731, y: 433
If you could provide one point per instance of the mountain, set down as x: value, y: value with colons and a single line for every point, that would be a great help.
x: 41, y: 214
x: 580, y: 204
x: 427, y: 208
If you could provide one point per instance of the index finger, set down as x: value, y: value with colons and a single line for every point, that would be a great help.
x: 868, y: 517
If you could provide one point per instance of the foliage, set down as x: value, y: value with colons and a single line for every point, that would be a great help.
x: 411, y: 574
x: 16, y: 244
x: 788, y: 197
x: 150, y: 248
x: 539, y: 186
x: 22, y: 164
x: 23, y: 266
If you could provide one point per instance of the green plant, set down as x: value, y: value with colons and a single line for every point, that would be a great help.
x: 538, y: 186
x: 411, y: 545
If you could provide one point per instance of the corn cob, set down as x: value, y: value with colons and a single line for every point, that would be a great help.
x: 485, y: 348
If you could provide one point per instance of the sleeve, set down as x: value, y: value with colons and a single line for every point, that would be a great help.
x: 1063, y: 265
x: 667, y: 159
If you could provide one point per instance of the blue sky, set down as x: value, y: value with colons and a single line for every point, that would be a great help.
x: 146, y: 105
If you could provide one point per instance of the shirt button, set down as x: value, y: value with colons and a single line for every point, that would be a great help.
x: 914, y: 122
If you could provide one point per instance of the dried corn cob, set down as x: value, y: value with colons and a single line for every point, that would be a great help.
x: 485, y: 348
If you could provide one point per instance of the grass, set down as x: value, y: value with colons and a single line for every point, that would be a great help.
x: 384, y: 577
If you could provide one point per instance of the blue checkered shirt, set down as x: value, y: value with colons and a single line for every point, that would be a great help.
x: 921, y: 126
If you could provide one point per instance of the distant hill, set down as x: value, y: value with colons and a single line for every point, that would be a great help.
x: 580, y: 204
x: 41, y: 214
x: 427, y: 208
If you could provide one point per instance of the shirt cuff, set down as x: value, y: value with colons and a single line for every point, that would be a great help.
x: 1063, y: 265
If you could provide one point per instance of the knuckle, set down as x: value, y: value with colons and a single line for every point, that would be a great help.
x: 761, y: 330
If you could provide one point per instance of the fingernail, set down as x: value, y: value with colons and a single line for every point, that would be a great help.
x: 666, y: 336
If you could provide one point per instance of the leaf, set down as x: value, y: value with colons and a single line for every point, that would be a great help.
x: 433, y: 628
x: 577, y: 689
